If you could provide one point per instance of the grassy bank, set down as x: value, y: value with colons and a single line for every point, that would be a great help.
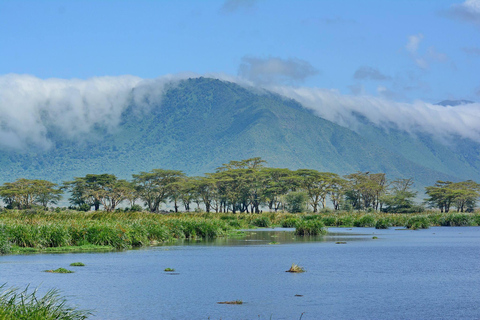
x: 67, y: 231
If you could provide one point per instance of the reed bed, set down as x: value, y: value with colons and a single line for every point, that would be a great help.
x: 121, y: 230
x: 16, y: 304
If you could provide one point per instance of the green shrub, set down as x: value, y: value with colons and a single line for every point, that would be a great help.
x: 296, y: 202
x: 457, y: 219
x: 418, y: 222
x: 310, y: 228
x: 330, y: 221
x: 383, y: 223
x: 345, y: 221
x: 365, y: 221
x: 262, y: 222
x: 289, y: 222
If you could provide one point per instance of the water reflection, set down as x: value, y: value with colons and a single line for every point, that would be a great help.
x: 274, y: 236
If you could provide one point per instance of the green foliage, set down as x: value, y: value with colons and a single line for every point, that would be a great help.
x: 310, y: 228
x: 444, y: 194
x: 296, y: 201
x: 262, y: 222
x: 15, y: 304
x: 457, y: 220
x: 418, y: 222
x: 77, y: 264
x: 59, y: 270
x: 383, y: 223
x: 290, y: 222
x: 5, y: 244
x: 365, y: 221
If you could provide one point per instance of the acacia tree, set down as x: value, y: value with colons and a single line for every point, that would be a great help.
x: 47, y: 193
x: 98, y: 189
x: 276, y: 184
x: 317, y: 185
x: 463, y: 195
x: 400, y: 197
x: 23, y: 193
x: 155, y: 187
x: 365, y: 189
x: 440, y: 195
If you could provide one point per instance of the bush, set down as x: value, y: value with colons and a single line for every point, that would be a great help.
x: 330, y: 221
x: 418, y: 222
x: 310, y: 228
x: 365, y: 221
x: 383, y: 223
x: 290, y: 222
x: 457, y: 219
x: 345, y: 221
x: 262, y: 222
x: 296, y: 202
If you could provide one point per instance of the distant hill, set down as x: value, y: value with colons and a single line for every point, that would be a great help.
x: 453, y: 103
x: 202, y: 123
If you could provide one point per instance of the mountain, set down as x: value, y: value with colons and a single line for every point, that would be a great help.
x: 453, y: 103
x: 202, y: 123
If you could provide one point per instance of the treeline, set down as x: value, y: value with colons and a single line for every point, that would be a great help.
x: 244, y: 186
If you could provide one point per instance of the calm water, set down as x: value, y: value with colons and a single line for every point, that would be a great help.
x: 423, y: 274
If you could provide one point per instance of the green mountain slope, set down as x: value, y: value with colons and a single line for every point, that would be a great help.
x: 202, y: 123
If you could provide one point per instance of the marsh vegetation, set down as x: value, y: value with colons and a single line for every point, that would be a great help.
x: 27, y: 304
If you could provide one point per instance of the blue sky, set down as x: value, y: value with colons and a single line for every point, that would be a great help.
x: 400, y: 50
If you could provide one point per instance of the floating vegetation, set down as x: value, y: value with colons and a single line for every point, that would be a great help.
x: 15, y: 304
x: 231, y: 302
x: 59, y: 270
x: 299, y: 295
x: 374, y: 237
x: 341, y: 242
x: 169, y: 270
x: 295, y: 268
x: 77, y: 264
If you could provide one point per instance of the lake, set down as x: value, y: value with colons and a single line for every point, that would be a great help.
x: 404, y: 274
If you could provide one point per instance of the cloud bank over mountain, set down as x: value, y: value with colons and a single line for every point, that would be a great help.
x: 31, y: 107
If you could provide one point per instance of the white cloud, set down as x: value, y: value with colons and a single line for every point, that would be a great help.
x: 31, y: 107
x: 275, y: 70
x: 468, y: 11
x: 431, y: 55
x: 444, y: 123
x: 413, y: 43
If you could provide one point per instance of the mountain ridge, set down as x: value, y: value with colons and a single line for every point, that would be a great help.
x: 202, y: 123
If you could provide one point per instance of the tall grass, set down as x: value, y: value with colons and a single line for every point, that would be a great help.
x: 120, y: 230
x: 15, y: 304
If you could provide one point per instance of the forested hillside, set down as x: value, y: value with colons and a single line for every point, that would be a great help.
x: 201, y: 123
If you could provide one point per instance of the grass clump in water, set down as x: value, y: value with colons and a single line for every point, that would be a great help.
x: 77, y: 264
x: 59, y: 270
x: 169, y: 270
x: 231, y: 302
x: 295, y: 268
x: 15, y: 304
x: 418, y: 222
x: 310, y: 228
